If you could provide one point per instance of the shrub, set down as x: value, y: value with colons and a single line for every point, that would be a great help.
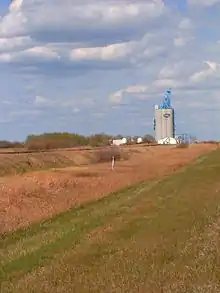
x: 149, y: 139
x: 105, y: 155
x: 183, y: 145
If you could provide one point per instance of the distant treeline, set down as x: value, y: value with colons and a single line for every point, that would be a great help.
x: 67, y: 140
x: 4, y: 144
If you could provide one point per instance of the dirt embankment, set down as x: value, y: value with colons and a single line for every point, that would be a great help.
x: 12, y: 164
x: 38, y: 195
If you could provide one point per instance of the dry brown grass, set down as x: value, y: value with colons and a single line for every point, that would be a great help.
x: 38, y: 195
x: 20, y: 163
x: 12, y: 164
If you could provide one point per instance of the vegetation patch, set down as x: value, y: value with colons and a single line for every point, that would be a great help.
x: 12, y: 164
x: 182, y: 145
x: 20, y: 163
x: 107, y: 154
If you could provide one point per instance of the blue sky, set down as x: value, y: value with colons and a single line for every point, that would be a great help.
x: 91, y: 66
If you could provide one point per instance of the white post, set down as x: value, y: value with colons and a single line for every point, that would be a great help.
x: 113, y: 162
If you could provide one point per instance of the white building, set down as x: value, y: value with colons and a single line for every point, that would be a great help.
x: 118, y: 142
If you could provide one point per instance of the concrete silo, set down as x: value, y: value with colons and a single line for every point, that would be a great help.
x: 164, y: 118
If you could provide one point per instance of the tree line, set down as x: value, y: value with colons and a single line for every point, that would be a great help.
x: 68, y: 140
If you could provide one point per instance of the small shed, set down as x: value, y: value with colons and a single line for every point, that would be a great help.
x: 139, y: 140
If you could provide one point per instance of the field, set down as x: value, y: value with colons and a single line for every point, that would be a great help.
x: 132, y: 229
x: 64, y: 179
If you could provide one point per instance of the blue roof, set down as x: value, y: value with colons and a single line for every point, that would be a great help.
x: 166, y: 100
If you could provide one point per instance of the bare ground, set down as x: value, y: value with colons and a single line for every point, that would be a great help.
x: 35, y: 196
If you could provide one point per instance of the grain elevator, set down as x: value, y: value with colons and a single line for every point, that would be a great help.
x: 164, y: 125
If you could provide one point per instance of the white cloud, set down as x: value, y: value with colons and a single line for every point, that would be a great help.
x: 185, y: 33
x: 6, y: 57
x: 200, y: 76
x: 185, y: 24
x: 42, y: 101
x: 15, y: 5
x: 33, y: 53
x: 136, y: 89
x: 25, y: 112
x: 84, y: 15
x: 166, y: 83
x: 43, y: 52
x: 11, y: 44
x: 48, y: 102
x: 153, y: 51
x: 116, y: 98
x: 172, y: 70
x: 108, y: 53
x: 213, y: 65
x: 182, y: 41
x: 177, y: 77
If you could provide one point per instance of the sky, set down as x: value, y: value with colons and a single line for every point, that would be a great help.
x: 92, y: 66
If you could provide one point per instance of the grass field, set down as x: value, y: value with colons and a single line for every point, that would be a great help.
x: 157, y: 236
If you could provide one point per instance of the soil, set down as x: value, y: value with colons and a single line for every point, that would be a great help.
x: 38, y: 195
